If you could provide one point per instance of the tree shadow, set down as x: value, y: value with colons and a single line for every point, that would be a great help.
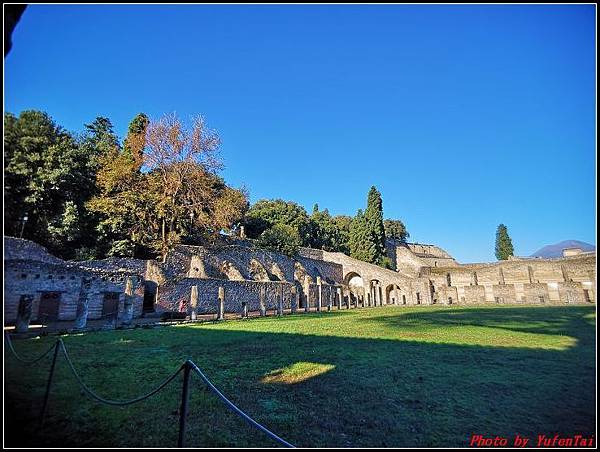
x: 375, y: 392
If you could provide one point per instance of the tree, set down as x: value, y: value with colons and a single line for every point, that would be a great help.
x: 504, y: 247
x: 281, y: 238
x: 342, y: 223
x: 266, y: 213
x: 48, y: 178
x: 395, y: 229
x: 324, y: 232
x: 374, y: 224
x: 122, y: 202
x: 360, y: 244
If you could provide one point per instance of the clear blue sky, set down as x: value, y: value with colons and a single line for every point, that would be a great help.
x: 463, y: 117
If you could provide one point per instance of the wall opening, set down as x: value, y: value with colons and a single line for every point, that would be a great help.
x: 49, y: 306
x: 110, y: 305
x: 150, y: 291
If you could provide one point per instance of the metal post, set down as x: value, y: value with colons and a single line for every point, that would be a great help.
x: 183, y: 410
x: 47, y: 395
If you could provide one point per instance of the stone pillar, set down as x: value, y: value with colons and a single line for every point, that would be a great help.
x: 319, y: 294
x: 221, y: 304
x: 338, y: 292
x: 128, y: 302
x: 307, y: 294
x: 294, y: 300
x: 396, y: 299
x: 83, y: 304
x: 261, y: 301
x: 349, y: 299
x: 530, y: 273
x: 24, y: 314
x: 565, y: 275
x: 194, y: 302
x: 280, y: 301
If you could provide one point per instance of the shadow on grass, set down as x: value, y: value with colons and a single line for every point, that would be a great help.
x: 375, y: 392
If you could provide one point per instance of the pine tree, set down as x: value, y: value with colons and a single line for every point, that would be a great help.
x: 504, y: 247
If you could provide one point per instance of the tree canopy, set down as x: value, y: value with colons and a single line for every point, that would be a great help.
x: 92, y: 195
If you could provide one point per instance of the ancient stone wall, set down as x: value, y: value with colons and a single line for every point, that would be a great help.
x: 237, y: 293
x: 23, y: 278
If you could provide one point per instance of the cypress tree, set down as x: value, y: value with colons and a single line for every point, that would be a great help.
x: 375, y: 227
x: 504, y: 247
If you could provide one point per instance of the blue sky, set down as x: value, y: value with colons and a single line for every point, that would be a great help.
x: 463, y: 117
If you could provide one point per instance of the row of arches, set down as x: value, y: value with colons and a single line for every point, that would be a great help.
x: 373, y: 293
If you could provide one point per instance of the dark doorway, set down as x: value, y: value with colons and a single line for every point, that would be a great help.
x: 49, y: 306
x: 110, y: 304
x: 150, y: 291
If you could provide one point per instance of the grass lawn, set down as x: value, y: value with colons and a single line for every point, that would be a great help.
x: 388, y: 376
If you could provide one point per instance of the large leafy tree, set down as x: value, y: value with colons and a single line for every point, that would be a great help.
x: 163, y: 188
x: 504, y: 246
x: 360, y: 244
x: 342, y: 223
x: 395, y: 229
x: 123, y: 202
x: 189, y: 199
x: 264, y: 214
x: 324, y: 231
x: 48, y: 178
x: 281, y: 238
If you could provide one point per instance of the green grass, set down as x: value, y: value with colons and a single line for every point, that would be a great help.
x: 428, y: 376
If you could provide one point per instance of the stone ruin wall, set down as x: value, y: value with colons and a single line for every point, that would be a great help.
x: 247, y: 275
x: 532, y: 281
x: 24, y: 278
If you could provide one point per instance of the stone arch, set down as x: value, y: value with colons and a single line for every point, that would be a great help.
x: 276, y: 273
x: 231, y: 271
x: 257, y: 271
x: 355, y: 282
x: 299, y: 272
x: 197, y: 269
x: 393, y: 294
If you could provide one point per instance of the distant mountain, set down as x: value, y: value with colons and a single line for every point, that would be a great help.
x: 557, y: 249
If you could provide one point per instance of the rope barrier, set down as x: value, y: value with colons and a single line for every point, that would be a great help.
x: 100, y: 399
x: 16, y: 355
x: 186, y: 367
x: 237, y: 411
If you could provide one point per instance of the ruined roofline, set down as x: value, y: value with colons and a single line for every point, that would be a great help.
x: 588, y: 255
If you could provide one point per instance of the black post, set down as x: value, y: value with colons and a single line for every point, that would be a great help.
x: 47, y: 395
x: 184, y: 402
